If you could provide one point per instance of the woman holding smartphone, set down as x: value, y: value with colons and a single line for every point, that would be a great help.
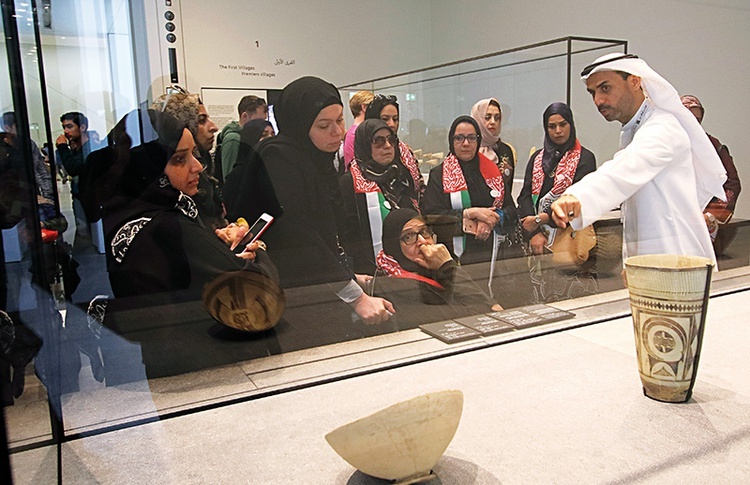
x: 158, y: 242
x: 163, y: 258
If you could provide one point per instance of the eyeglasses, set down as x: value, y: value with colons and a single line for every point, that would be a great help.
x: 411, y: 237
x: 587, y: 70
x: 461, y: 138
x: 386, y: 97
x: 379, y: 141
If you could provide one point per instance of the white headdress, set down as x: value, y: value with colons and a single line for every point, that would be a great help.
x: 710, y: 174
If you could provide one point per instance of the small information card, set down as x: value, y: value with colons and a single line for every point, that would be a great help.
x: 450, y: 331
x: 485, y: 324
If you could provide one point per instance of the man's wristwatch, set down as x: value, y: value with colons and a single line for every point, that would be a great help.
x: 538, y: 220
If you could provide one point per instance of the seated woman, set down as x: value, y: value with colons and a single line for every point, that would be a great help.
x: 561, y: 163
x: 386, y: 109
x: 161, y: 254
x: 190, y: 110
x: 469, y: 187
x: 410, y: 253
x: 157, y: 238
x: 377, y: 183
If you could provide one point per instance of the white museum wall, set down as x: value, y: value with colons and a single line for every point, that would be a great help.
x: 341, y: 42
x: 699, y: 46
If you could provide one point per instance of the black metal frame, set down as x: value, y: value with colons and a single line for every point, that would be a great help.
x: 50, y: 332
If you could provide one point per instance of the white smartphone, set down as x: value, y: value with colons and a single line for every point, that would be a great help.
x: 256, y: 230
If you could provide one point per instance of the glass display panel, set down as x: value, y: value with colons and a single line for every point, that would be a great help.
x: 189, y: 325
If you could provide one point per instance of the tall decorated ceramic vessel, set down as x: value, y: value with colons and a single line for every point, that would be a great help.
x: 669, y: 299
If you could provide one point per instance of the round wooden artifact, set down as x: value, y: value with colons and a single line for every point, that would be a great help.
x: 244, y: 300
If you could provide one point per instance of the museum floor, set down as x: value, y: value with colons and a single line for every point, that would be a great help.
x: 563, y: 407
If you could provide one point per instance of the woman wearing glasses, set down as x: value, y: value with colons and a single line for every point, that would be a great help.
x: 385, y: 108
x: 410, y: 253
x: 469, y: 187
x: 377, y: 183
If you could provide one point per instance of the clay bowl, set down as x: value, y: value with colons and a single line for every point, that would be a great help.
x: 244, y: 300
x: 402, y: 441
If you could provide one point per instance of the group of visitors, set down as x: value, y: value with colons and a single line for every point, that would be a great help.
x: 166, y: 197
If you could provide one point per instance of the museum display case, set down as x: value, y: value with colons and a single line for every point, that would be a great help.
x: 81, y: 362
x: 524, y: 79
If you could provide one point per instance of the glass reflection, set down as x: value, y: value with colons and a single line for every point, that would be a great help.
x: 135, y: 276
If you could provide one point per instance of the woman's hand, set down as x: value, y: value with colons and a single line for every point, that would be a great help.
x: 372, y: 310
x: 483, y: 214
x: 363, y: 280
x: 249, y: 253
x: 232, y: 234
x: 483, y: 231
x: 537, y: 243
x: 529, y: 222
x: 433, y: 256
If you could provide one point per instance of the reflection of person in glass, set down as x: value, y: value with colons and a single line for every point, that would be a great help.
x: 551, y: 170
x: 73, y: 148
x: 376, y: 183
x: 158, y: 242
x: 190, y: 111
x: 410, y: 252
x: 292, y: 178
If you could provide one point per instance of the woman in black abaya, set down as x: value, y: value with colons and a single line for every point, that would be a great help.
x: 292, y: 178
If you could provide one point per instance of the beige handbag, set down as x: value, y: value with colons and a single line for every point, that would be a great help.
x: 572, y: 247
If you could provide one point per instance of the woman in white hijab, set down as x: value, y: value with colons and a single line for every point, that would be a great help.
x: 489, y: 115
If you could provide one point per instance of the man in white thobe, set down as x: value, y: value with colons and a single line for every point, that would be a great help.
x: 664, y: 174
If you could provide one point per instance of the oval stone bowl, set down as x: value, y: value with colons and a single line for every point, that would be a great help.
x: 402, y: 441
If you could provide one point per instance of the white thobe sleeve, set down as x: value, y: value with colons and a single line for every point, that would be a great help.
x: 599, y: 192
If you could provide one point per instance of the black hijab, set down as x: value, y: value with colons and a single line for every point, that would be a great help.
x: 252, y: 131
x: 393, y: 224
x: 452, y: 131
x: 394, y: 179
x: 250, y: 137
x: 363, y: 138
x: 552, y: 152
x: 141, y: 187
x: 379, y: 102
x: 250, y: 188
x: 296, y: 110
